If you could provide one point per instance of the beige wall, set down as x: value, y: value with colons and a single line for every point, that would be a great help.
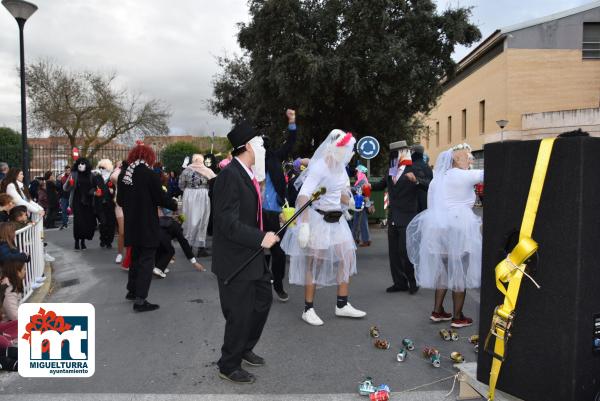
x: 487, y: 83
x: 516, y: 82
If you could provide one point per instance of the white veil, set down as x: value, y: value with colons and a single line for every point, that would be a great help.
x: 436, y: 193
x: 325, y: 149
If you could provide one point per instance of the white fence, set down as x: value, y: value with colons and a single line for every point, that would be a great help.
x: 29, y: 240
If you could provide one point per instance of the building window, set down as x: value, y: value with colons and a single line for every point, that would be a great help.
x: 427, y: 135
x: 437, y: 134
x: 449, y: 129
x: 482, y: 117
x: 464, y: 124
x: 590, y: 48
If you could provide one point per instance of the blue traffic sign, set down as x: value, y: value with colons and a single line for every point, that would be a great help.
x: 367, y: 147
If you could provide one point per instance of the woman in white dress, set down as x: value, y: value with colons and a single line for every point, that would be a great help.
x: 321, y: 248
x: 444, y: 241
x: 193, y: 181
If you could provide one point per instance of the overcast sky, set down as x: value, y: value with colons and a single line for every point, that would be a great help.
x: 166, y: 49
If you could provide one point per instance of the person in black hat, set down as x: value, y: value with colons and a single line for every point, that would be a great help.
x: 237, y: 234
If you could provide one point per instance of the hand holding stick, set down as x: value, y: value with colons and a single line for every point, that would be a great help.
x: 316, y: 195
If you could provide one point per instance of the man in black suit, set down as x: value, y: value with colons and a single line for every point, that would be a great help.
x: 140, y: 194
x: 403, y: 187
x: 237, y: 234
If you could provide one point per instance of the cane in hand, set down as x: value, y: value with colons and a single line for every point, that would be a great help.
x: 316, y: 195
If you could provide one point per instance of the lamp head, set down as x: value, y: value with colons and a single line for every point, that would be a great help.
x: 20, y: 9
x: 502, y: 123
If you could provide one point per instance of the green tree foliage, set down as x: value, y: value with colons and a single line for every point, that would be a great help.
x: 173, y: 155
x: 88, y: 108
x: 367, y: 66
x: 10, y: 147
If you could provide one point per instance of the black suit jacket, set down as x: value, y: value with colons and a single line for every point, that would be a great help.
x: 402, y: 197
x: 140, y: 202
x: 236, y: 233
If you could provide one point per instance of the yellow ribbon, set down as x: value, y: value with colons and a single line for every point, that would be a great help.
x: 512, y: 269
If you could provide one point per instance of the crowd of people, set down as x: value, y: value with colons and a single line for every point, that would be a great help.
x: 434, y: 238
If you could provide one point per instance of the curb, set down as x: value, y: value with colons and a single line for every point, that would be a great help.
x: 40, y: 294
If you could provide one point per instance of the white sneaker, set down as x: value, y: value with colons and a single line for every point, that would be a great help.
x: 35, y: 285
x: 159, y: 272
x: 167, y: 270
x: 310, y: 317
x: 40, y: 279
x: 119, y: 259
x: 349, y: 311
x: 48, y: 258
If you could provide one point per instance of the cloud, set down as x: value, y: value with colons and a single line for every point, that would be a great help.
x: 166, y: 49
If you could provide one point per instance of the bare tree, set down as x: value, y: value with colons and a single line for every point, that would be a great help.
x: 88, y: 109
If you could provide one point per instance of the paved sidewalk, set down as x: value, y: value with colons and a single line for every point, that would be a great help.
x: 174, y: 350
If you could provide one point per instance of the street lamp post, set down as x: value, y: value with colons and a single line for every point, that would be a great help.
x: 502, y: 124
x: 21, y: 10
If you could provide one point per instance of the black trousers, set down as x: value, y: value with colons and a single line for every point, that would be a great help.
x: 108, y: 223
x: 165, y: 250
x: 50, y: 217
x: 277, y: 257
x: 403, y: 272
x: 140, y: 271
x: 245, y: 306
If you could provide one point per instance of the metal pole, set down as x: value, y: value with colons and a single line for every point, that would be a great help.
x: 25, y: 148
x: 369, y: 169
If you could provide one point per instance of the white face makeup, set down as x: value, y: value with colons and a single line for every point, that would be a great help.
x: 81, y: 168
x: 258, y: 167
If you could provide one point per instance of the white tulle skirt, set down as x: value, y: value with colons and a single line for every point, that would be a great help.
x: 330, y: 257
x: 196, y: 208
x: 445, y: 248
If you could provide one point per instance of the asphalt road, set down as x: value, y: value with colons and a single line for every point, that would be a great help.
x: 171, y: 353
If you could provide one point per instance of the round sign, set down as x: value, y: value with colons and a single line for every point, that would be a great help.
x: 367, y: 147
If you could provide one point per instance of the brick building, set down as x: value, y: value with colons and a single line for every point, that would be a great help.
x: 541, y: 76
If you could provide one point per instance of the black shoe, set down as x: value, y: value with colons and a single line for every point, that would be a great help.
x: 145, y: 307
x: 413, y: 289
x: 77, y: 244
x: 396, y: 288
x: 130, y: 296
x: 202, y: 253
x: 83, y: 245
x: 252, y: 359
x: 282, y: 295
x: 239, y: 376
x: 101, y: 244
x: 108, y: 246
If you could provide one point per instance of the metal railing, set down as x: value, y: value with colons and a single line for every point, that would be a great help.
x: 29, y: 240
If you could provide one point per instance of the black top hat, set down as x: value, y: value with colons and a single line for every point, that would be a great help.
x: 241, y: 134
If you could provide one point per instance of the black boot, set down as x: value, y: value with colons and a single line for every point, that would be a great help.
x: 202, y: 253
x: 83, y: 244
x: 77, y: 244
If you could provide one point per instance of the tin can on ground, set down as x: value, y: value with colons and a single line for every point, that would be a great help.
x: 457, y: 357
x: 474, y: 339
x: 380, y: 396
x: 408, y: 344
x: 454, y: 335
x: 366, y: 387
x: 435, y: 360
x: 384, y: 387
x: 401, y: 356
x: 374, y: 332
x: 445, y: 334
